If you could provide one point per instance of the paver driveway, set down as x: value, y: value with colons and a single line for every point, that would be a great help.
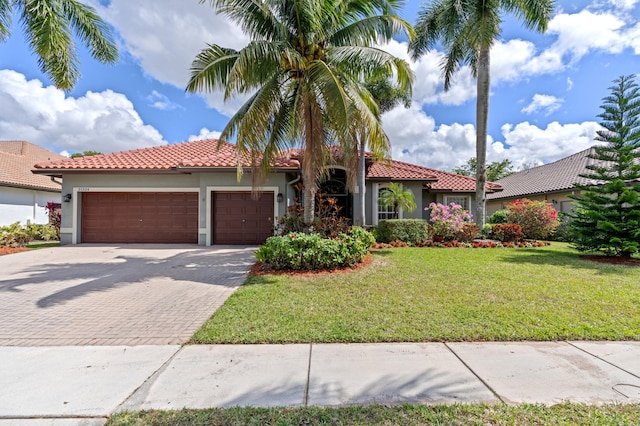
x: 115, y: 295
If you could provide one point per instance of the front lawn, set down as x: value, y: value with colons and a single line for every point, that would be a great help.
x: 438, y: 294
x: 468, y: 414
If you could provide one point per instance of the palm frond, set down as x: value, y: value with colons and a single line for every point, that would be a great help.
x: 255, y: 17
x: 50, y: 38
x: 92, y: 30
x: 5, y: 18
x: 245, y: 76
x: 210, y: 69
x: 371, y: 30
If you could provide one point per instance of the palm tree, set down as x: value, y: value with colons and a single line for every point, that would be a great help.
x: 397, y: 197
x: 387, y: 95
x: 48, y: 24
x: 304, y: 66
x: 467, y: 29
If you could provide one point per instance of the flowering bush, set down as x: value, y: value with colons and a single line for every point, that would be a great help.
x: 300, y: 251
x: 537, y: 218
x: 447, y: 221
x: 507, y: 232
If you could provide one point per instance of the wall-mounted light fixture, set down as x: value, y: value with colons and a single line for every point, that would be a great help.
x: 280, y: 197
x: 66, y: 198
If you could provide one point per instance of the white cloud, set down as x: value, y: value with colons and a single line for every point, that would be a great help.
x: 415, y: 138
x: 540, y: 103
x: 161, y: 102
x: 526, y: 143
x: 569, y: 83
x: 104, y: 121
x: 205, y: 134
x: 582, y: 32
x: 166, y: 35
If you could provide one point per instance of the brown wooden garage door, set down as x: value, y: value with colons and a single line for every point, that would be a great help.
x: 240, y: 219
x: 139, y: 217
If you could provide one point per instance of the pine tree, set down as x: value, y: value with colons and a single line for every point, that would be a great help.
x: 607, y: 214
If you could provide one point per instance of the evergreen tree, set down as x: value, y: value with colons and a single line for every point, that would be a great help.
x: 607, y: 215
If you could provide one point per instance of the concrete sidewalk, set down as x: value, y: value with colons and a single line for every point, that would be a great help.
x: 86, y: 384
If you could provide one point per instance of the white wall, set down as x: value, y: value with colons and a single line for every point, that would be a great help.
x: 25, y: 205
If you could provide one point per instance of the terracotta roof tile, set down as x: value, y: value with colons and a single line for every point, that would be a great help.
x: 205, y: 154
x: 16, y: 161
x: 557, y: 176
x: 445, y: 181
x: 202, y: 153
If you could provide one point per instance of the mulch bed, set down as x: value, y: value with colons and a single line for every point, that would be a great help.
x: 611, y: 260
x: 9, y: 250
x: 260, y: 268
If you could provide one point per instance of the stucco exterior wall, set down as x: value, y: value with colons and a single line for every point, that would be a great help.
x: 25, y: 205
x: 203, y: 183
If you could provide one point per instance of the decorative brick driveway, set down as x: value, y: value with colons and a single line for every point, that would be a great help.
x: 115, y: 295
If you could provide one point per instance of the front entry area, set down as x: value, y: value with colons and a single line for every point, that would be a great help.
x: 239, y: 218
x: 139, y: 217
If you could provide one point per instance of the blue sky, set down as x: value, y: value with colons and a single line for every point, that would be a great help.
x: 546, y: 88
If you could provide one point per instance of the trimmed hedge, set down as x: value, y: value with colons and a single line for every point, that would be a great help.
x: 299, y: 251
x: 410, y: 231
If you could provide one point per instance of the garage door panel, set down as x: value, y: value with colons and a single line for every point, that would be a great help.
x: 240, y: 219
x: 129, y: 217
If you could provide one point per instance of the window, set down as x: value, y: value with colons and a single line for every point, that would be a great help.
x: 384, y: 212
x: 461, y: 200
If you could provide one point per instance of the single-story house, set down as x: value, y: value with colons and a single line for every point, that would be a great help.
x: 189, y: 193
x: 553, y: 183
x: 23, y: 195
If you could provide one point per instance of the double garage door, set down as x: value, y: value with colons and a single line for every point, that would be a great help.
x: 172, y: 217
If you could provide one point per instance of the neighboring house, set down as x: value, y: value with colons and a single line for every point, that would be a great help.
x: 190, y: 193
x: 23, y: 195
x: 553, y: 183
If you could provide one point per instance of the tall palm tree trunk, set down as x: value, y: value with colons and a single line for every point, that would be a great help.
x: 361, y: 220
x: 482, y: 118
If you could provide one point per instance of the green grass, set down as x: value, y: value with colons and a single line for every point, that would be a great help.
x: 475, y: 414
x: 435, y: 294
x: 42, y: 244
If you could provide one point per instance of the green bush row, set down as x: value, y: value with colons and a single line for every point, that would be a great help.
x: 299, y: 251
x: 410, y: 231
x: 17, y: 235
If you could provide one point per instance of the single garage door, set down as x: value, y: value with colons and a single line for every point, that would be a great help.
x: 238, y: 218
x: 139, y: 217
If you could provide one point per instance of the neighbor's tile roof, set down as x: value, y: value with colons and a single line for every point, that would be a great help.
x: 202, y: 153
x: 552, y: 177
x: 445, y: 182
x: 16, y: 161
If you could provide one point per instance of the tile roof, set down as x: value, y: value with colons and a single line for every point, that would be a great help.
x: 205, y: 154
x: 557, y: 176
x: 202, y: 153
x: 444, y: 181
x: 16, y: 161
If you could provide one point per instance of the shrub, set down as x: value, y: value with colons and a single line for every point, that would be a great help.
x: 410, y: 231
x: 537, y: 218
x: 328, y: 221
x: 468, y: 233
x: 507, y: 232
x: 563, y: 232
x: 447, y: 221
x: 501, y: 216
x: 299, y: 251
x: 14, y: 235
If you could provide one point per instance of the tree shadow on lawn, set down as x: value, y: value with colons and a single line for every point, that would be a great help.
x: 541, y: 256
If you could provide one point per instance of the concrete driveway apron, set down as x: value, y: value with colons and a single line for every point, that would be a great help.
x: 115, y: 294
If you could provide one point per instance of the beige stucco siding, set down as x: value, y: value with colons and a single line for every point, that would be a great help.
x: 203, y: 183
x: 558, y: 200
